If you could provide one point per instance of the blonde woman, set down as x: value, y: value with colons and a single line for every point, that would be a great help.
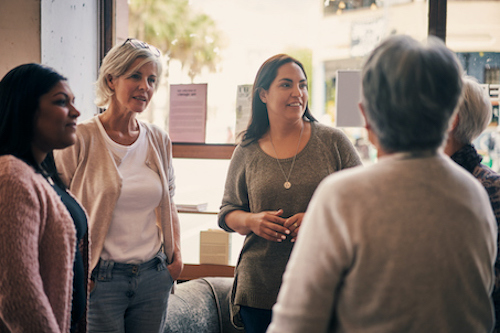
x: 121, y: 170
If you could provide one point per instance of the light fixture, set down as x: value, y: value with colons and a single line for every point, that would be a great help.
x: 373, y: 6
x: 342, y: 5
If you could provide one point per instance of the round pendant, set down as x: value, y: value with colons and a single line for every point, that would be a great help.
x: 287, y: 185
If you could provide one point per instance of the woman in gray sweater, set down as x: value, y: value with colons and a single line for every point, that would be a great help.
x: 406, y: 244
x: 284, y: 155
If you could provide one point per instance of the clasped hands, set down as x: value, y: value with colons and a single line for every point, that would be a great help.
x: 271, y: 226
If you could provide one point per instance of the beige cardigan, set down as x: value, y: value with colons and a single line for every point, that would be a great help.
x: 91, y: 174
x: 37, y: 251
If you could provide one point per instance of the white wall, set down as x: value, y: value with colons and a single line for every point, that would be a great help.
x: 62, y: 34
x: 69, y: 40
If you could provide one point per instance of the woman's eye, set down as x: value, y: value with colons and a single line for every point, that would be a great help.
x: 60, y: 102
x: 152, y: 80
x: 135, y: 76
x: 303, y: 86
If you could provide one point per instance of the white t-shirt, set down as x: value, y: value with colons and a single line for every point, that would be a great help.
x: 133, y: 235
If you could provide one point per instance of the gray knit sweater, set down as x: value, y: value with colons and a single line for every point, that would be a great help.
x: 255, y: 183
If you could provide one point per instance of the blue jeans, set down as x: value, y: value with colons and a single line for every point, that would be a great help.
x: 255, y: 320
x: 129, y: 298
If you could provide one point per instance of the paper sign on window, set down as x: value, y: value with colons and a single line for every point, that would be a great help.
x: 188, y: 112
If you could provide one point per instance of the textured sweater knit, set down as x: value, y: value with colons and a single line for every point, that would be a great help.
x: 254, y: 184
x: 469, y: 159
x: 91, y: 173
x: 404, y: 245
x: 37, y: 251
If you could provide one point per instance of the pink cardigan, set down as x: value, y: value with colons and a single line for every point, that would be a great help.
x: 37, y: 249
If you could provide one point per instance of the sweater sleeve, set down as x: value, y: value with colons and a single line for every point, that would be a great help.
x: 235, y: 192
x: 163, y: 144
x: 321, y: 257
x: 170, y: 171
x: 348, y: 153
x: 24, y: 307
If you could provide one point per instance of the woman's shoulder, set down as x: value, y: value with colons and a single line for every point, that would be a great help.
x: 10, y: 164
x: 331, y: 135
x: 88, y: 127
x: 335, y: 141
x: 154, y: 131
x: 246, y: 150
x: 326, y: 131
x: 15, y: 173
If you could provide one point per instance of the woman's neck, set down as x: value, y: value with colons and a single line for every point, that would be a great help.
x: 121, y: 127
x: 452, y: 145
x: 283, y: 131
x: 285, y: 141
x: 38, y: 154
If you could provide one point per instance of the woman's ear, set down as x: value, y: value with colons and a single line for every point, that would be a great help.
x: 454, y: 123
x: 263, y: 95
x: 371, y: 136
x: 110, y: 81
x: 362, y: 109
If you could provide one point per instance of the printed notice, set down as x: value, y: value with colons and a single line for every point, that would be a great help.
x: 188, y: 112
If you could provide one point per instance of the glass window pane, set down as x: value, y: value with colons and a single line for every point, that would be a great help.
x: 325, y: 35
x: 473, y: 32
x: 201, y: 182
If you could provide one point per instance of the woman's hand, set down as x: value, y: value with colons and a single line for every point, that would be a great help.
x: 293, y: 224
x: 176, y: 266
x: 268, y: 225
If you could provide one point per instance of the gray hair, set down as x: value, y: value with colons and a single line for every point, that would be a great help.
x: 474, y: 111
x: 117, y: 62
x: 410, y: 91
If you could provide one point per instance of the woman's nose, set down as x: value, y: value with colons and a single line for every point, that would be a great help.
x: 74, y: 111
x: 296, y: 91
x: 144, y: 84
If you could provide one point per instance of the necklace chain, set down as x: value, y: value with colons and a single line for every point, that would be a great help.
x: 287, y: 183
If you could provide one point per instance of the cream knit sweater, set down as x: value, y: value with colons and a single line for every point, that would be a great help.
x: 91, y: 173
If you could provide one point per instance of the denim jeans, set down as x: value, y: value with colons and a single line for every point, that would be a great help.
x: 255, y: 320
x: 129, y: 298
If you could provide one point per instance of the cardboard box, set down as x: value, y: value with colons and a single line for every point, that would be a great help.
x: 214, y: 247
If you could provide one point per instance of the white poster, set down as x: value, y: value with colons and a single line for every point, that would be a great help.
x: 348, y: 95
x: 243, y: 107
x: 188, y: 113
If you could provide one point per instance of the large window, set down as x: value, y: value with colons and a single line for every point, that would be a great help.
x: 338, y: 7
x: 473, y: 32
x: 327, y: 36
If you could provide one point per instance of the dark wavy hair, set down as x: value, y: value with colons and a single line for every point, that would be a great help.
x: 20, y: 92
x: 259, y: 121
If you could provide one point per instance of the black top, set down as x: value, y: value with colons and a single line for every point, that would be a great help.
x: 79, y: 285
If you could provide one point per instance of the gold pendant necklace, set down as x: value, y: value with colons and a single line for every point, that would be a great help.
x: 287, y: 183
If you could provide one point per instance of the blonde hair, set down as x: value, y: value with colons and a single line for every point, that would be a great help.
x: 474, y: 111
x: 117, y: 62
